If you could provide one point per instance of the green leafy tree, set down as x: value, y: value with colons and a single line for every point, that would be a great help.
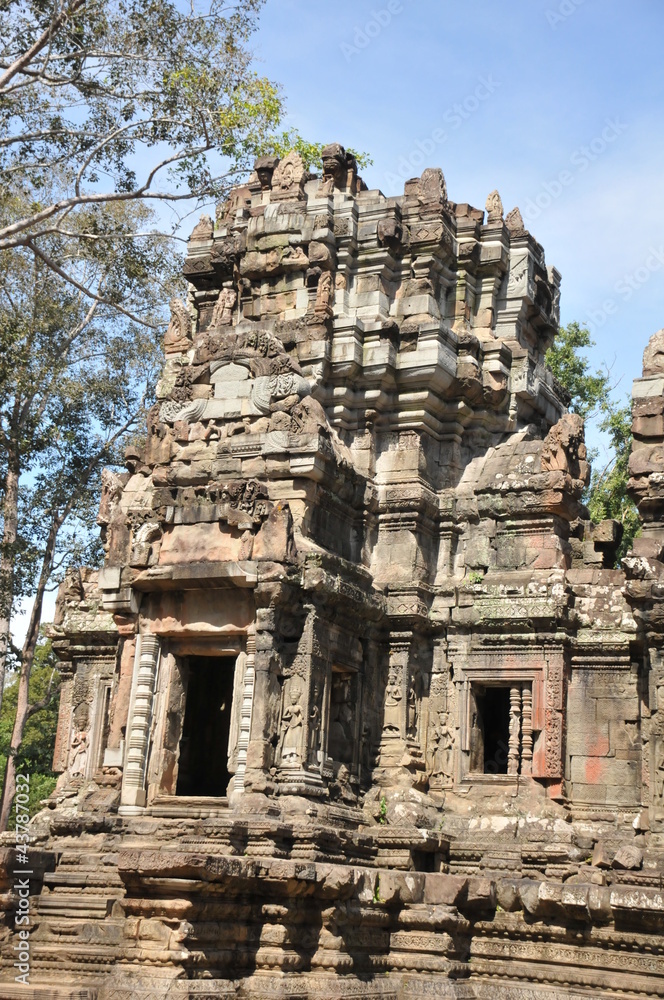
x: 311, y: 152
x: 112, y: 101
x: 607, y: 494
x: 75, y: 378
x: 591, y: 397
x: 36, y: 753
x: 589, y: 391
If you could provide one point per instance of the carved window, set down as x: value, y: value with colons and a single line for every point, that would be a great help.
x: 501, y: 729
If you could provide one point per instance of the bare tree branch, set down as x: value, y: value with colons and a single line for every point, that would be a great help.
x: 86, y: 291
x: 144, y: 192
x: 45, y: 38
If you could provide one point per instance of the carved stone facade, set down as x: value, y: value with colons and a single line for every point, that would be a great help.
x: 358, y: 706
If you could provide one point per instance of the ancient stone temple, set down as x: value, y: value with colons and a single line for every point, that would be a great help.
x: 358, y: 705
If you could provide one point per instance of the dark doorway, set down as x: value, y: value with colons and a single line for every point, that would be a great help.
x: 493, y: 707
x: 203, y: 767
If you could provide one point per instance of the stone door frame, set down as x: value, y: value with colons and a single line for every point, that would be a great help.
x: 156, y: 662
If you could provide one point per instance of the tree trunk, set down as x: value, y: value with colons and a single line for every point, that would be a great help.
x: 28, y: 655
x: 7, y: 556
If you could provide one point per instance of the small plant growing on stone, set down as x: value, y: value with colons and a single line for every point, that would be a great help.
x: 382, y: 811
x: 376, y: 892
x: 476, y: 576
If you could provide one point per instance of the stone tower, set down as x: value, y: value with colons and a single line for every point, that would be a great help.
x: 358, y: 706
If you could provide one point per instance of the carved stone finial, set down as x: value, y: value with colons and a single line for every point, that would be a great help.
x: 514, y: 222
x: 564, y: 448
x: 653, y: 356
x: 265, y: 167
x: 334, y: 160
x: 289, y: 176
x: 239, y: 198
x: 203, y: 230
x: 432, y: 188
x: 494, y: 207
x: 389, y: 233
x: 339, y: 170
x: 178, y: 335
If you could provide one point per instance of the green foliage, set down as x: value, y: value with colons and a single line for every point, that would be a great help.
x: 382, y: 810
x: 129, y: 98
x: 36, y: 754
x: 73, y: 375
x: 311, y: 151
x: 607, y: 493
x: 376, y: 892
x: 606, y: 496
x: 565, y: 358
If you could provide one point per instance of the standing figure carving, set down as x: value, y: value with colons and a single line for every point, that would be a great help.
x: 341, y: 720
x: 79, y: 754
x: 393, y: 700
x: 659, y: 774
x: 222, y: 314
x: 292, y: 725
x: 314, y: 725
x: 324, y: 294
x: 442, y: 746
x: 413, y: 708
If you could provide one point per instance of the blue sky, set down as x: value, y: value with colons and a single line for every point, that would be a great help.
x: 558, y: 105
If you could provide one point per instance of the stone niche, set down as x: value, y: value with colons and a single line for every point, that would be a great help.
x: 358, y: 704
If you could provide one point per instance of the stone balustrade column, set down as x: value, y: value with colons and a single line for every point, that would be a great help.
x: 527, y: 729
x: 245, y: 712
x: 515, y: 730
x: 133, y: 795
